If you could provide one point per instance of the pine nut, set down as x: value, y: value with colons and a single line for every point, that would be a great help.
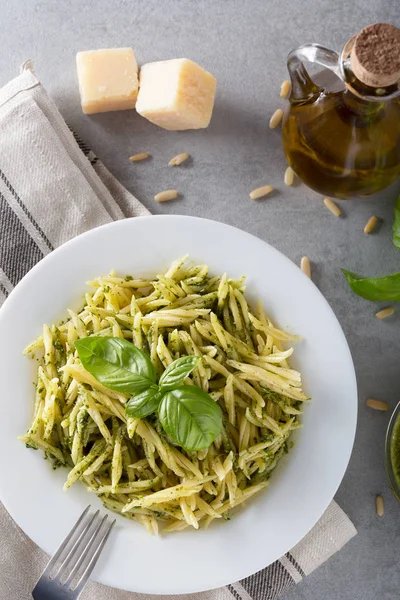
x: 166, y: 195
x: 371, y: 224
x: 261, y: 191
x: 306, y: 266
x: 289, y: 176
x: 178, y: 159
x: 276, y: 118
x: 377, y: 404
x: 333, y: 207
x: 386, y: 312
x: 138, y: 157
x: 380, y: 509
x: 285, y: 89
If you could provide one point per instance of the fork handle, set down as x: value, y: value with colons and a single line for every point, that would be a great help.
x: 44, y: 591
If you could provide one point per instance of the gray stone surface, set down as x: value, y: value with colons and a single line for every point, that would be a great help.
x: 245, y: 43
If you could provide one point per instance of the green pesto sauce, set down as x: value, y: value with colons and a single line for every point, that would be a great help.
x: 395, y: 450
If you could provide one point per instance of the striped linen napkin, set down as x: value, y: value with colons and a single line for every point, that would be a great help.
x: 52, y: 188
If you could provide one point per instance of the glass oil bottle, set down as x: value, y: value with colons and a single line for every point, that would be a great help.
x: 341, y: 131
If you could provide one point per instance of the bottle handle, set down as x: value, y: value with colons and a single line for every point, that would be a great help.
x: 303, y: 87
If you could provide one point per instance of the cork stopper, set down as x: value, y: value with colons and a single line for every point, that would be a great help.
x: 375, y: 57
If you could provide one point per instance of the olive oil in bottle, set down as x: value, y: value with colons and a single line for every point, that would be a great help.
x: 341, y: 132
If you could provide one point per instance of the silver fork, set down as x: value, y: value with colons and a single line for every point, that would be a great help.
x: 69, y: 570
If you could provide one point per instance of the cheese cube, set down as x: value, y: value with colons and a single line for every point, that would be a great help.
x: 176, y: 94
x: 108, y: 79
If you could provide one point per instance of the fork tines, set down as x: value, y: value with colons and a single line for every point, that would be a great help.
x: 76, y: 558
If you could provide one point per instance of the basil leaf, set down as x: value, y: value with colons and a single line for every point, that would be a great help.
x: 396, y: 223
x: 177, y: 372
x: 379, y: 289
x: 144, y: 404
x: 190, y: 417
x: 116, y: 363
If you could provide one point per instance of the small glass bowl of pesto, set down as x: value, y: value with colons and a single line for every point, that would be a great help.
x: 392, y: 449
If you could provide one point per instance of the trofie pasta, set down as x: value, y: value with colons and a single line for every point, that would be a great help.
x: 131, y: 463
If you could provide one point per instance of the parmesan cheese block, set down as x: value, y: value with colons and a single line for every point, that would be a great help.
x: 176, y: 94
x: 108, y: 79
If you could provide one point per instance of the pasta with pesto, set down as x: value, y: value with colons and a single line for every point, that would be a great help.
x: 130, y: 463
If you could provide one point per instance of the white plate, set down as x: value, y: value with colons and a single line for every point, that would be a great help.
x: 301, y: 487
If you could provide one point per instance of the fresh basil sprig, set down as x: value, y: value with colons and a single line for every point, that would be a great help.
x: 378, y: 289
x: 187, y: 414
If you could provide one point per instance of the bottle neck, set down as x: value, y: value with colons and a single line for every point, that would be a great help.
x: 360, y: 89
